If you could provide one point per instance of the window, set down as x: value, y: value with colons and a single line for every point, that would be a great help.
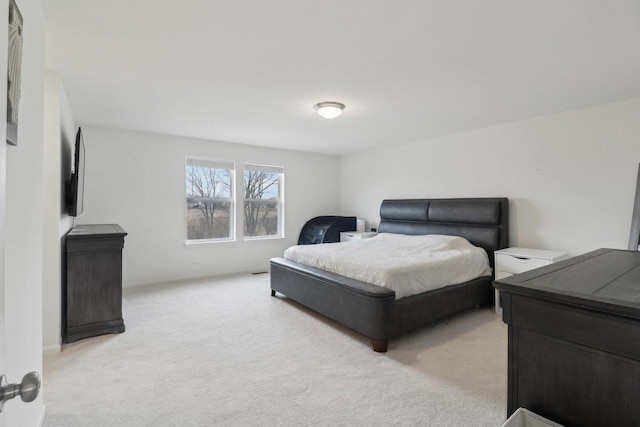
x: 210, y: 207
x: 263, y: 206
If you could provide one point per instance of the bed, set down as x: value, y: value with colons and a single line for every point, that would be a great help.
x: 374, y: 311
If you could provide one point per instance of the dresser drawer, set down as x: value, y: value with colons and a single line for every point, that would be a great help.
x: 518, y: 264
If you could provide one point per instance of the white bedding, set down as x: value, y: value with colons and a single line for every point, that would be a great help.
x: 408, y: 265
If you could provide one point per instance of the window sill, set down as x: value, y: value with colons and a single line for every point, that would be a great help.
x: 208, y: 241
x: 250, y: 239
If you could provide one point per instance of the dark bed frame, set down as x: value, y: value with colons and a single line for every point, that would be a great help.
x: 372, y: 310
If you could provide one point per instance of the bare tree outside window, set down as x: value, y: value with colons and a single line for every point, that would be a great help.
x: 209, y: 189
x: 262, y: 201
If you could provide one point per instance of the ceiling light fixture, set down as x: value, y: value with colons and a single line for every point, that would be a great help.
x: 329, y: 110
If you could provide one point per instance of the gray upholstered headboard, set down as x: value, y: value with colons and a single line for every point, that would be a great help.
x: 482, y: 221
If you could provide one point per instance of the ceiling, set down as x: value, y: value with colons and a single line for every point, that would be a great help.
x: 249, y: 71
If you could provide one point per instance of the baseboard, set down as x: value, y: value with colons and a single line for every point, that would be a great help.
x: 52, y: 349
x: 175, y: 280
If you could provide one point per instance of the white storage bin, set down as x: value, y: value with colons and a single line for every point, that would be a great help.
x: 525, y: 418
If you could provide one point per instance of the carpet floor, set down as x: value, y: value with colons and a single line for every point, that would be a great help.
x: 224, y: 352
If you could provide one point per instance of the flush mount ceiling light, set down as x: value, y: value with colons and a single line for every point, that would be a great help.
x: 329, y: 110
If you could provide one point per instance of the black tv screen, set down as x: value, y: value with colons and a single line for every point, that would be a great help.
x: 75, y: 185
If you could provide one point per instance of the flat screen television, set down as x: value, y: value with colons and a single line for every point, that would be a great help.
x: 75, y: 184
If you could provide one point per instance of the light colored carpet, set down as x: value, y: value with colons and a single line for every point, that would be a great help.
x: 225, y: 353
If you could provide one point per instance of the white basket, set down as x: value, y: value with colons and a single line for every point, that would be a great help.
x: 525, y: 418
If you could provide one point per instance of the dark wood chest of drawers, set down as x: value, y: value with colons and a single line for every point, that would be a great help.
x: 92, y: 294
x: 574, y: 339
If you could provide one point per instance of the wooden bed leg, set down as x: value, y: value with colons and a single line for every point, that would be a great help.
x: 380, y: 345
x: 273, y: 293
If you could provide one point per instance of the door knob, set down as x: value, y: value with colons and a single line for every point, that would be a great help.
x: 28, y: 389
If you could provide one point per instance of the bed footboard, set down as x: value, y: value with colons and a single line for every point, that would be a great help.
x: 363, y: 307
x: 373, y: 310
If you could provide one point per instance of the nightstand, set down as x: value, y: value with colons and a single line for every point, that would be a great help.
x: 512, y: 261
x: 346, y: 236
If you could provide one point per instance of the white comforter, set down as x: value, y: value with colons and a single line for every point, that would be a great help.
x: 407, y: 264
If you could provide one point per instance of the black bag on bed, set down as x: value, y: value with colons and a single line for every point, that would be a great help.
x: 325, y: 229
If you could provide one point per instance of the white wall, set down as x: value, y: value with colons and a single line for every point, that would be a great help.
x: 570, y: 177
x: 137, y: 180
x: 25, y: 220
x: 58, y: 137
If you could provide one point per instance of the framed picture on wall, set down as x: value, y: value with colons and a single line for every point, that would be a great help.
x: 14, y: 71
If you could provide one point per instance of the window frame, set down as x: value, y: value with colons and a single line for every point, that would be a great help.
x: 212, y: 163
x: 280, y: 201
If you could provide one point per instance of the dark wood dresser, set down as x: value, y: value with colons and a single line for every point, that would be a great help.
x: 574, y: 339
x: 92, y: 294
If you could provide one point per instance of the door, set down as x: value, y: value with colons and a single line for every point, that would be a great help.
x: 3, y: 185
x: 4, y: 17
x: 20, y: 251
x: 26, y: 389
